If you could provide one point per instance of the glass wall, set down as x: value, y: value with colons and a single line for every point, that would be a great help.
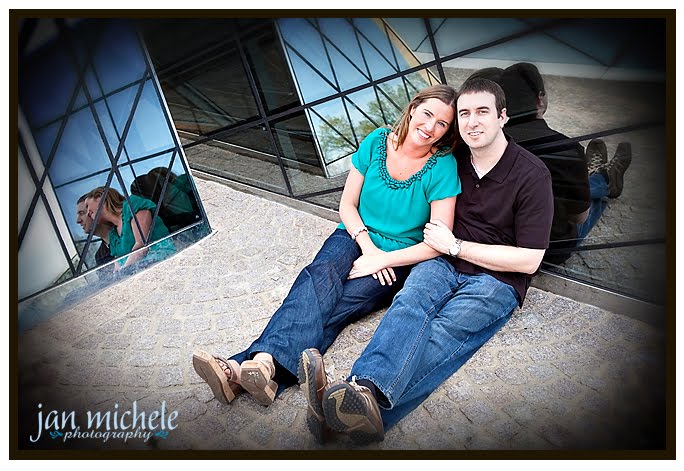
x: 102, y: 177
x: 282, y: 104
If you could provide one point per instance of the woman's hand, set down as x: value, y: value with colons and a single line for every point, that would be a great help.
x: 373, y: 264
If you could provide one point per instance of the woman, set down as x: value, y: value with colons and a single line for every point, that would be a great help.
x: 400, y: 179
x: 125, y: 235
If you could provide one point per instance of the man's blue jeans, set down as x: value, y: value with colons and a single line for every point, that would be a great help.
x: 439, y: 319
x: 321, y: 302
x: 598, y: 188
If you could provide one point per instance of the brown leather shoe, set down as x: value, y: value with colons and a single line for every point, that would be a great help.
x: 352, y: 409
x: 314, y: 381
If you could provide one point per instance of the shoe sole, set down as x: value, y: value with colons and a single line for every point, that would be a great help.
x: 209, y: 370
x: 256, y: 383
x: 315, y: 419
x: 348, y: 413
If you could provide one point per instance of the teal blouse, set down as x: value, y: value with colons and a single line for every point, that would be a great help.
x: 396, y: 211
x: 122, y: 244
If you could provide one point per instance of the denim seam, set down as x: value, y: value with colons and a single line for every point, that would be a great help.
x: 453, y: 354
x: 428, y: 318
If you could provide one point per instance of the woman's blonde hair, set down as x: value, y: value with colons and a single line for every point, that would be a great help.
x: 443, y: 93
x: 113, y: 200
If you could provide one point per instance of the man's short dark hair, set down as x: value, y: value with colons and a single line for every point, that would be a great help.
x: 479, y: 85
x: 523, y: 85
x: 82, y: 199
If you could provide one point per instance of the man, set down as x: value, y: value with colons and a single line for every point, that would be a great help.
x: 102, y: 255
x: 582, y: 181
x: 451, y: 305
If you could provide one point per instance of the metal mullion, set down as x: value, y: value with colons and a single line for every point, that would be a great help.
x: 34, y: 177
x: 333, y: 128
x: 51, y: 156
x: 351, y: 62
x: 434, y: 32
x: 262, y: 111
x: 319, y: 193
x: 338, y: 88
x: 113, y: 158
x: 311, y: 66
x: 389, y: 98
x: 83, y: 107
x: 362, y: 112
x: 169, y: 123
x: 376, y: 49
x: 606, y: 245
x: 435, y: 53
x: 389, y: 43
x: 587, y: 137
x: 162, y: 194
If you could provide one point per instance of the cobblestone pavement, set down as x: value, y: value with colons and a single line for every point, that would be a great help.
x: 559, y: 376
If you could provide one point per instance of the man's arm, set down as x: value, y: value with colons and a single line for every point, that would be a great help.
x: 492, y: 257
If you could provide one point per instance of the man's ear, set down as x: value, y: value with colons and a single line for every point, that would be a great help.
x: 503, y: 117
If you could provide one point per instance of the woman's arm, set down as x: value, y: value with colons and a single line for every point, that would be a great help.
x: 144, y: 217
x: 349, y: 210
x: 442, y: 210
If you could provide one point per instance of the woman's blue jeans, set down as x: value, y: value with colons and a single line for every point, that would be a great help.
x: 439, y: 319
x: 321, y: 302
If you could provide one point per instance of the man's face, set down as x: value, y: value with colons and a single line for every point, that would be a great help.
x: 478, y: 122
x: 82, y: 217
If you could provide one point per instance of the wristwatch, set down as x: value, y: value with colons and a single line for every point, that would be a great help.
x: 455, y: 248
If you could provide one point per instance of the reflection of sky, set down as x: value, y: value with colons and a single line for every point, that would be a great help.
x: 81, y: 162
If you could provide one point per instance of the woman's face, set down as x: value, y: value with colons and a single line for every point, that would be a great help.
x: 430, y: 120
x: 91, y: 206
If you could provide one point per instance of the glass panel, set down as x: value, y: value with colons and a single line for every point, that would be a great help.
x: 304, y: 48
x: 118, y: 45
x: 149, y: 131
x: 271, y: 73
x: 333, y: 130
x: 609, y: 222
x: 454, y: 35
x: 41, y: 259
x: 411, y: 33
x: 81, y: 162
x: 296, y: 145
x: 201, y: 72
x: 44, y: 97
x: 259, y: 169
x: 330, y: 201
x: 80, y: 152
x: 26, y: 189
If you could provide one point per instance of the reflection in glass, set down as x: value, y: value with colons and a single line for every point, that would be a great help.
x: 454, y: 35
x: 72, y: 145
x: 241, y: 163
x: 334, y: 132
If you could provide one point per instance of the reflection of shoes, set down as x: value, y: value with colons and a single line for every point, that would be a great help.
x: 352, y: 409
x: 314, y: 382
x: 219, y: 374
x: 256, y: 377
x: 596, y: 155
x: 617, y: 167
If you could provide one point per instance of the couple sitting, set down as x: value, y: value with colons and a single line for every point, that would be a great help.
x: 452, y: 271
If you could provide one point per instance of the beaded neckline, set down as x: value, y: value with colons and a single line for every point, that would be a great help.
x: 397, y: 184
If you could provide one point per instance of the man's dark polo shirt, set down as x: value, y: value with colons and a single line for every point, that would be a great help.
x: 511, y: 205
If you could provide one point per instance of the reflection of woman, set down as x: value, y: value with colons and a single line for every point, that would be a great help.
x: 401, y: 178
x: 125, y: 236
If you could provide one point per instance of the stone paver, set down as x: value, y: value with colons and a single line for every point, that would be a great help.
x: 559, y: 375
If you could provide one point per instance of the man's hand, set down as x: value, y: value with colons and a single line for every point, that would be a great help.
x: 438, y: 236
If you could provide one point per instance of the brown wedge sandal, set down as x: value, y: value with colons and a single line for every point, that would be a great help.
x: 212, y: 369
x: 256, y: 378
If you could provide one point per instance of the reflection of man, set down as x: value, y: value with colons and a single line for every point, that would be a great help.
x: 581, y: 181
x: 86, y: 222
x: 451, y: 305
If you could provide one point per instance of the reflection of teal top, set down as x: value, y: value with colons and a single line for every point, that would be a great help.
x: 396, y: 211
x: 122, y: 244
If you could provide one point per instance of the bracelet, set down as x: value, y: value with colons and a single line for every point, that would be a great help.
x: 358, y: 231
